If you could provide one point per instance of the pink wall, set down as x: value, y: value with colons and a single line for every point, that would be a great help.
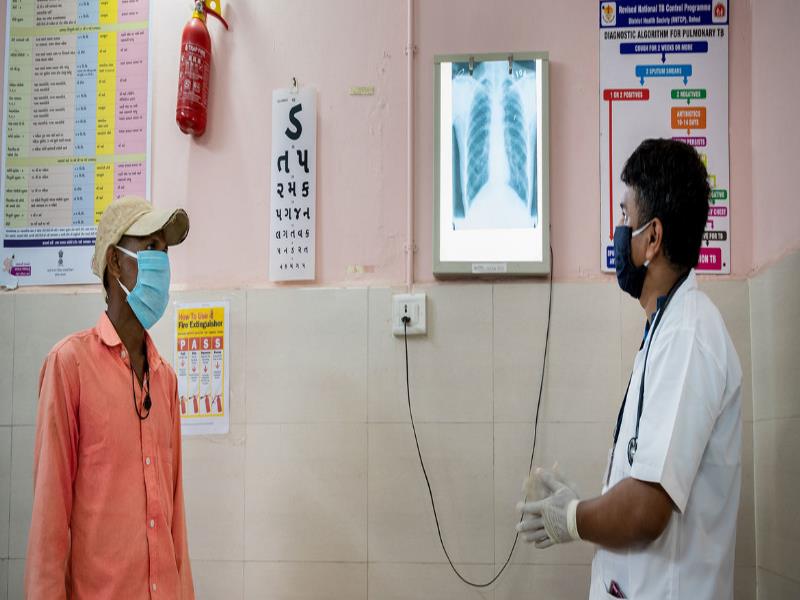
x: 776, y: 129
x: 223, y: 178
x: 568, y: 30
x: 362, y: 140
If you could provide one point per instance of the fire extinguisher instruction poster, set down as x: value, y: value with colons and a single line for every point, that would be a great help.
x: 664, y: 74
x: 293, y: 185
x: 75, y: 130
x: 201, y: 365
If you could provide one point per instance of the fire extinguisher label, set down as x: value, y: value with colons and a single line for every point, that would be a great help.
x: 194, y: 72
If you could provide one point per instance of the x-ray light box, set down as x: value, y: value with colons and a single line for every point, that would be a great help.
x: 491, y: 166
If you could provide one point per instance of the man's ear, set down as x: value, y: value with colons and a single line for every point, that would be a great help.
x: 112, y: 263
x: 655, y: 238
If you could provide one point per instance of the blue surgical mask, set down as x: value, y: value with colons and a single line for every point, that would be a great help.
x: 629, y: 277
x: 149, y: 298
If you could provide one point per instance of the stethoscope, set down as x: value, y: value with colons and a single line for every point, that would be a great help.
x: 633, y: 443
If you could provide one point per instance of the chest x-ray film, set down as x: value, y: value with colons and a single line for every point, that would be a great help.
x: 491, y: 165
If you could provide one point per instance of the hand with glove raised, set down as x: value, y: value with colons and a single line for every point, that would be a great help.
x: 552, y: 519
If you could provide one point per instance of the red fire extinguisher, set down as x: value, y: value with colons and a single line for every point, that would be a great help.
x: 195, y: 69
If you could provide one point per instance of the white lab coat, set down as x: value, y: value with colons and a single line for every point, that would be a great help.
x: 690, y: 443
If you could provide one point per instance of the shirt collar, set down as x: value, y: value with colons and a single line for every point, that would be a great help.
x: 690, y: 283
x: 109, y: 336
x: 660, y: 301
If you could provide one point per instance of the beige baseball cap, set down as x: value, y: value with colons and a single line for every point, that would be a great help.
x: 135, y: 216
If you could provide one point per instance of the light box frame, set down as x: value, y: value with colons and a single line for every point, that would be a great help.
x: 495, y: 268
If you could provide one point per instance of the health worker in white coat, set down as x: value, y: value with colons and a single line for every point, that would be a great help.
x: 665, y: 523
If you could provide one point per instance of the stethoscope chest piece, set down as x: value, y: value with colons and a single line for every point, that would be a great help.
x: 632, y: 445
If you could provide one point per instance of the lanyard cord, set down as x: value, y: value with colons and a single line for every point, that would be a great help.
x: 145, y: 384
x: 633, y: 443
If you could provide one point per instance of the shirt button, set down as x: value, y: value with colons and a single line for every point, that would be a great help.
x: 147, y: 460
x: 154, y: 587
x: 152, y: 523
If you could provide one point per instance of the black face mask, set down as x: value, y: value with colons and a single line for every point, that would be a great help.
x: 629, y: 277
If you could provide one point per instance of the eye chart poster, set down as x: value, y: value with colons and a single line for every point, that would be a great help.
x: 664, y: 74
x: 76, y: 130
x: 201, y: 364
x: 293, y: 185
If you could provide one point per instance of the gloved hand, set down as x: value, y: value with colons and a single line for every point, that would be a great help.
x: 551, y: 520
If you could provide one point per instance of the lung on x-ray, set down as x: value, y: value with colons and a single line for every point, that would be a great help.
x: 494, y: 112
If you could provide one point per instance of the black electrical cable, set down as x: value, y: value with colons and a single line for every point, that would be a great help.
x: 533, y: 443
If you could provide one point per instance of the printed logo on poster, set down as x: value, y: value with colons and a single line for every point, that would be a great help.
x: 720, y: 12
x: 608, y: 14
x: 16, y: 268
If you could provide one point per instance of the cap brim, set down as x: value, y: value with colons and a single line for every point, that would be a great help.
x: 174, y: 223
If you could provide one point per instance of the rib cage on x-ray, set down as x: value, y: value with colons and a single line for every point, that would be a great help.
x: 494, y: 146
x: 516, y: 146
x: 478, y: 141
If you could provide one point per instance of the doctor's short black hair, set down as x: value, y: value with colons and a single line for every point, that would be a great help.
x: 671, y: 182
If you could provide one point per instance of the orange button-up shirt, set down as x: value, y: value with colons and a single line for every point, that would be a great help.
x: 108, y: 516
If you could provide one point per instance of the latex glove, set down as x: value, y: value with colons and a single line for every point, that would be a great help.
x: 551, y: 520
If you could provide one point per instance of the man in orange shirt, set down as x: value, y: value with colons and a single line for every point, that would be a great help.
x: 108, y: 516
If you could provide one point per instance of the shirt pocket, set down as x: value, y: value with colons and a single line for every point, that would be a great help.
x: 599, y: 588
x: 165, y: 458
x: 93, y: 426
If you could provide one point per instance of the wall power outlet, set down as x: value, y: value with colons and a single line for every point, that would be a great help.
x: 413, y: 307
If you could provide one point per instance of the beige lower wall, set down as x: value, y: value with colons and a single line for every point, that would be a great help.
x: 317, y: 492
x: 775, y: 326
